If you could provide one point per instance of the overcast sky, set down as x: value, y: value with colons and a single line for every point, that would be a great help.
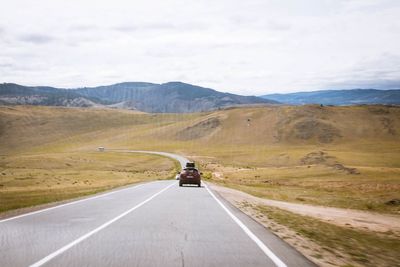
x: 248, y: 47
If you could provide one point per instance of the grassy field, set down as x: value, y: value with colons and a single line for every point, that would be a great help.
x: 345, y: 247
x: 33, y: 179
x: 314, y: 184
x: 335, y: 156
x: 345, y: 157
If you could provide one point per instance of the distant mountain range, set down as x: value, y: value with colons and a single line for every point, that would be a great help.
x: 174, y: 97
x: 339, y: 97
x: 178, y: 97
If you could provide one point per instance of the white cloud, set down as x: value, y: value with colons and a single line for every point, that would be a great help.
x: 36, y: 38
x: 247, y: 47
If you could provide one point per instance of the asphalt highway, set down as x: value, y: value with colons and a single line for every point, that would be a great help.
x: 151, y: 224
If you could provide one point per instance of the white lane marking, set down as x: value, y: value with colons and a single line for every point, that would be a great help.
x: 70, y: 203
x: 77, y: 241
x: 252, y: 236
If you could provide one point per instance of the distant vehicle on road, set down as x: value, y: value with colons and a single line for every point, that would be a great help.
x: 190, y: 175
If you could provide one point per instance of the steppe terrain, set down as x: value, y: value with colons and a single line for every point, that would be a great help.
x: 343, y: 157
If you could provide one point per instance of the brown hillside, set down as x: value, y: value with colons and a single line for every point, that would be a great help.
x: 294, y: 125
x: 337, y: 156
x: 26, y: 127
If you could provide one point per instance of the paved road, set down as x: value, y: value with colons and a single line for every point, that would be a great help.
x: 152, y: 224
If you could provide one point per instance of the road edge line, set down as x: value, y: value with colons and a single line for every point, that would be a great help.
x: 278, y: 262
x: 101, y: 227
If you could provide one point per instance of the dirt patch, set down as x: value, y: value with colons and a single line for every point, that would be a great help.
x: 317, y: 157
x: 348, y: 170
x: 309, y: 249
x: 311, y: 128
x: 362, y: 220
x: 308, y: 123
x: 199, y: 130
x: 322, y: 158
x: 393, y: 202
x: 388, y: 126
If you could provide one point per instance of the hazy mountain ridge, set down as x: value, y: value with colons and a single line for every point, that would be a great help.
x: 15, y: 94
x: 178, y: 97
x: 169, y: 97
x: 149, y: 97
x: 339, y: 97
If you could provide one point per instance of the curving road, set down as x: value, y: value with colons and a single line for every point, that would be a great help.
x: 151, y: 224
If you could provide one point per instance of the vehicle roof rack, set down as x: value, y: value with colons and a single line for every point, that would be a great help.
x: 190, y: 165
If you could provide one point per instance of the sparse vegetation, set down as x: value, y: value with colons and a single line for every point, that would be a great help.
x: 345, y: 157
x: 354, y: 247
x: 319, y: 185
x: 29, y: 180
x: 334, y: 156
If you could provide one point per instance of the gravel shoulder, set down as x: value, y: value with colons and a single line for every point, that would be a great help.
x: 342, y: 217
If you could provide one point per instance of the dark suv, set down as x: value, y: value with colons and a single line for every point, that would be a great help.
x: 190, y: 175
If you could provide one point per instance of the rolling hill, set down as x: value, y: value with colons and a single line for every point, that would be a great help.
x: 339, y: 97
x: 336, y: 156
x: 172, y: 97
x: 235, y: 128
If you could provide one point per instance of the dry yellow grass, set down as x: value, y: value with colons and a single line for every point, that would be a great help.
x: 276, y: 144
x: 28, y: 180
x: 318, y: 185
x: 332, y: 245
x: 332, y: 156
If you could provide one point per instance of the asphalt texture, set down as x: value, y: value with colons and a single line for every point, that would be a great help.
x: 151, y: 224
